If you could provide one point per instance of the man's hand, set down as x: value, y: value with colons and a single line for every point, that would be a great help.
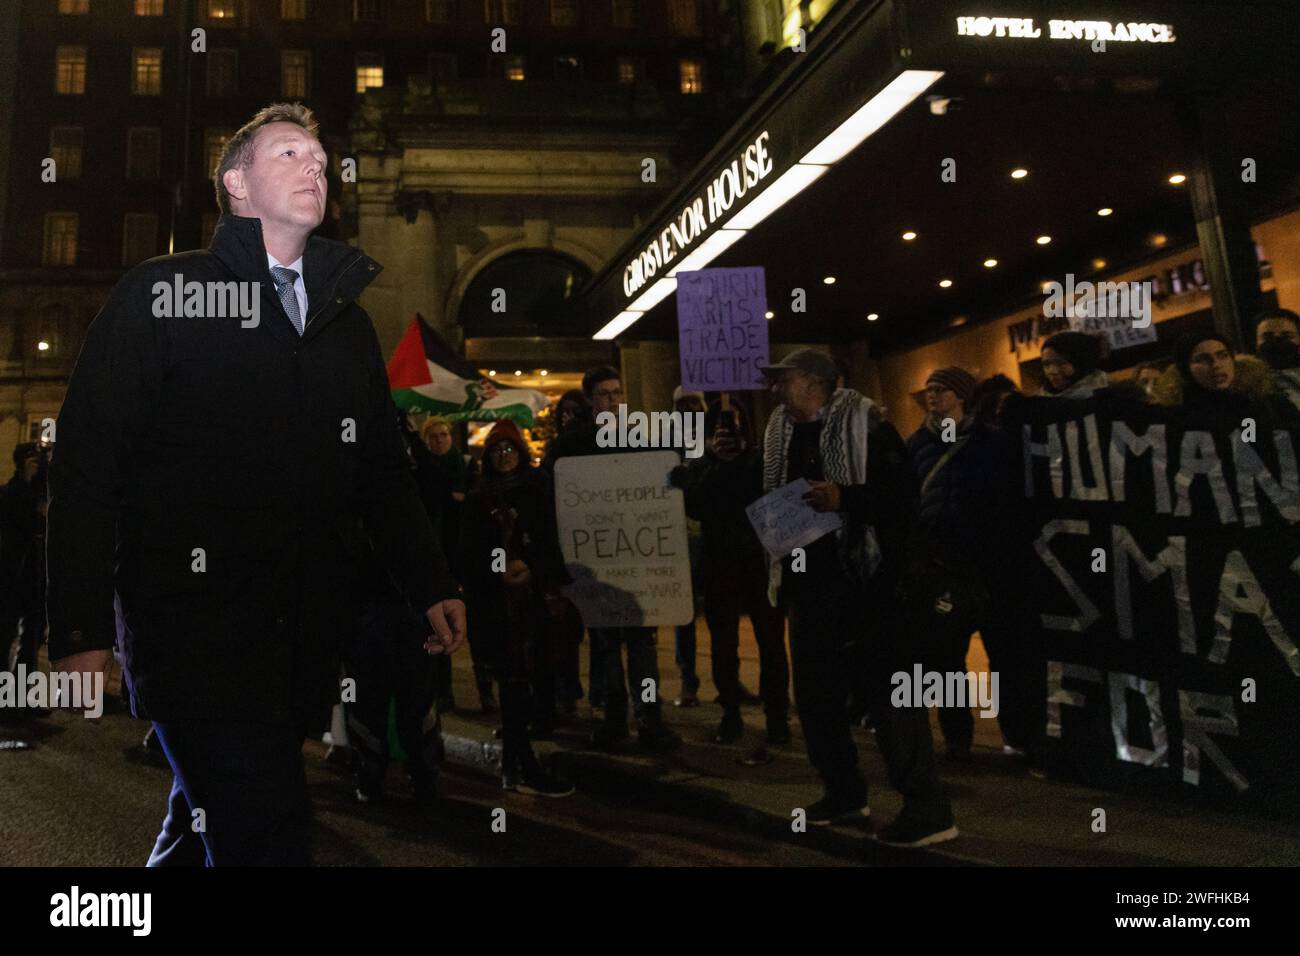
x: 447, y: 618
x: 823, y: 496
x: 92, y: 662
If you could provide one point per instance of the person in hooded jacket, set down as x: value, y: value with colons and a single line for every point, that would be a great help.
x: 510, y: 563
x: 1071, y: 365
x: 1208, y: 379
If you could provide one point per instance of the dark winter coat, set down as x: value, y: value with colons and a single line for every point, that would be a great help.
x: 261, y: 448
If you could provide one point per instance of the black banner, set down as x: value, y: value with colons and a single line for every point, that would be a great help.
x: 1164, y: 595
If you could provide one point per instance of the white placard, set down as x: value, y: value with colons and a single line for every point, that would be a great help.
x: 623, y: 535
x: 783, y: 521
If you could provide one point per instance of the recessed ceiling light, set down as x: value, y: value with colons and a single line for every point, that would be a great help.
x: 1043, y: 240
x: 990, y: 263
x: 769, y: 315
x: 1158, y: 239
x: 957, y: 320
x: 872, y: 316
x: 1105, y: 211
x: 42, y: 346
x: 909, y: 236
x: 519, y: 371
x: 1045, y: 285
x: 1099, y: 264
x: 1178, y: 179
x: 544, y: 372
x: 829, y: 280
x: 492, y: 372
x: 945, y: 283
x: 1019, y: 173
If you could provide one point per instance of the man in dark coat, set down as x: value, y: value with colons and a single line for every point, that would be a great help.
x: 208, y: 474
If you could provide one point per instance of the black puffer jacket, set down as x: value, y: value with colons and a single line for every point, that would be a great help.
x: 255, y: 445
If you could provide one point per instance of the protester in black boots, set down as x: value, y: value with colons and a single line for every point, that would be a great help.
x: 510, y: 563
x: 842, y: 596
x: 718, y: 487
x: 22, y: 557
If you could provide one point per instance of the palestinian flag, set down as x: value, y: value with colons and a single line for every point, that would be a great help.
x: 426, y: 374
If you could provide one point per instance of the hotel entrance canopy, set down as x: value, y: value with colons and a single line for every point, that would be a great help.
x: 882, y: 159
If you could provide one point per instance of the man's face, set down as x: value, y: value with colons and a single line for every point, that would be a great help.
x: 1212, y: 366
x: 606, y: 395
x: 1277, y: 329
x: 942, y: 400
x: 440, y: 439
x: 1147, y: 378
x: 285, y: 184
x: 794, y: 388
x: 1057, y: 369
x: 505, y: 457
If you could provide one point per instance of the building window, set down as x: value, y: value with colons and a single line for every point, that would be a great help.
x: 139, y: 237
x: 568, y: 68
x: 368, y: 10
x: 440, y: 11
x: 74, y: 6
x: 214, y: 141
x: 684, y: 18
x: 564, y: 13
x: 625, y: 13
x: 146, y: 71
x: 501, y: 11
x: 209, y: 227
x: 370, y: 71
x: 443, y: 67
x: 510, y: 67
x: 148, y: 8
x: 629, y: 69
x: 143, y: 151
x: 293, y: 9
x: 223, y: 72
x: 65, y: 150
x: 60, y: 248
x: 692, y: 74
x: 295, y: 73
x: 70, y: 70
x: 227, y: 10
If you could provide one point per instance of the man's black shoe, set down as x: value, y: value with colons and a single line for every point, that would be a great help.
x: 609, y: 735
x: 657, y: 739
x: 830, y: 810
x: 731, y: 729
x: 913, y: 832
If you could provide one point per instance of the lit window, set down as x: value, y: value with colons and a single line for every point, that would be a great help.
x: 568, y: 68
x: 214, y: 141
x: 70, y: 70
x: 148, y: 8
x: 368, y: 10
x: 60, y: 246
x: 629, y: 69
x: 139, y: 237
x: 692, y: 74
x: 564, y: 13
x: 624, y: 13
x: 74, y: 6
x: 684, y: 18
x: 223, y: 9
x: 515, y: 68
x: 293, y: 9
x: 143, y: 149
x: 65, y: 150
x: 223, y: 72
x: 295, y: 73
x: 501, y: 11
x: 370, y: 71
x: 146, y: 74
x: 440, y: 11
x: 443, y: 67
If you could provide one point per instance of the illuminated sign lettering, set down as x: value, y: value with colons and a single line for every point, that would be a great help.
x: 1086, y: 30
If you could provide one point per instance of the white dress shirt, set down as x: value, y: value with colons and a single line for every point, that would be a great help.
x: 299, y: 288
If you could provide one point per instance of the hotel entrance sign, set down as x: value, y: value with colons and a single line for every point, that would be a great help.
x: 1085, y: 30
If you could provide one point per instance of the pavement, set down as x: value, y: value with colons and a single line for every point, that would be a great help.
x: 1006, y: 816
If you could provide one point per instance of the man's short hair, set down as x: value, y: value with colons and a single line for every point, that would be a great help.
x: 1286, y: 314
x: 601, y: 373
x: 240, y: 148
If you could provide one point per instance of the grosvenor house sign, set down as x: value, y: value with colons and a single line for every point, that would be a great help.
x: 749, y: 168
x: 1087, y: 30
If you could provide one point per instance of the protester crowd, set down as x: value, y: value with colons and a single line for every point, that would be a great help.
x: 934, y: 530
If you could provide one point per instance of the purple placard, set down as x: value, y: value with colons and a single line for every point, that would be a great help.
x: 722, y: 328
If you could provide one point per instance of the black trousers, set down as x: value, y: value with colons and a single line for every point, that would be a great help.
x: 239, y: 796
x: 387, y: 659
x: 836, y: 630
x: 22, y: 618
x: 510, y: 629
x: 732, y: 588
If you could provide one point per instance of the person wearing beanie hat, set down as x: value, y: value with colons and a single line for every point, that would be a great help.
x: 1071, y: 363
x: 512, y: 513
x: 947, y: 390
x: 1207, y: 377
